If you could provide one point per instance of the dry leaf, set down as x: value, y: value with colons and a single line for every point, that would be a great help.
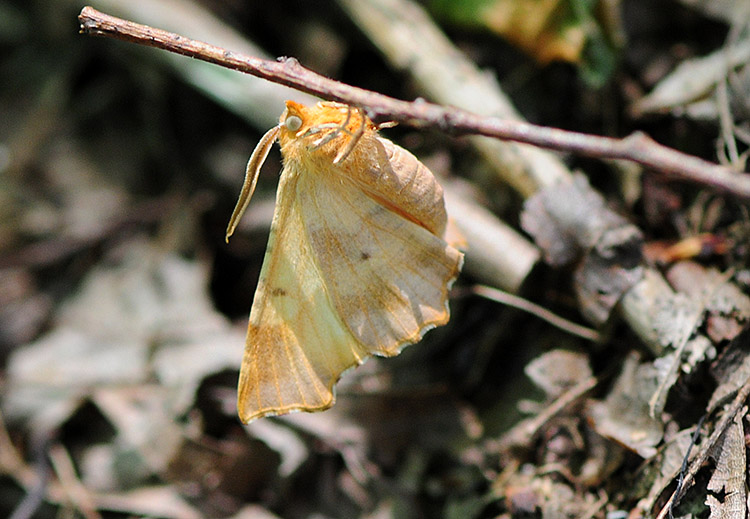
x: 558, y: 370
x: 357, y: 262
x: 624, y: 415
x: 547, y: 29
x: 692, y: 82
x: 729, y: 498
x: 570, y: 221
x: 661, y: 470
x: 537, y: 27
x: 727, y: 307
x: 676, y: 320
x: 731, y: 370
x: 147, y: 314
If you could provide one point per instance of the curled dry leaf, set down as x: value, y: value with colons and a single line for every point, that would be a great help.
x: 570, y: 221
x: 624, y: 415
x: 558, y: 370
x: 727, y: 307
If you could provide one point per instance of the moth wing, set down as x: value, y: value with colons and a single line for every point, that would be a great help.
x: 297, y: 346
x: 386, y: 276
x: 344, y: 277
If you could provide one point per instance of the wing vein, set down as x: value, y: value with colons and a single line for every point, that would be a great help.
x: 346, y: 259
x: 402, y: 239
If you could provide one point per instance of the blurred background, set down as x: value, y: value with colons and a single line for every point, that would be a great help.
x: 123, y: 311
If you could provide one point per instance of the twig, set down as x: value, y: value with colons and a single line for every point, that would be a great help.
x: 77, y: 494
x: 684, y: 467
x: 637, y: 147
x: 258, y: 102
x: 34, y: 498
x: 526, y: 430
x: 534, y: 309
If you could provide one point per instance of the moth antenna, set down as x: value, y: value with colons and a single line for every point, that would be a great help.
x: 251, y: 177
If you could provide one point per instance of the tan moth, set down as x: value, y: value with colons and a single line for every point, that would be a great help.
x: 357, y: 264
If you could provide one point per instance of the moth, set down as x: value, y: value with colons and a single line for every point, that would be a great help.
x: 358, y: 261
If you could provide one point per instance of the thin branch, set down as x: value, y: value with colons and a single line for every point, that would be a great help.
x: 520, y: 303
x: 77, y: 494
x: 523, y: 432
x: 637, y: 147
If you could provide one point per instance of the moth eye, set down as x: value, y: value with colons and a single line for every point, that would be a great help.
x: 293, y: 123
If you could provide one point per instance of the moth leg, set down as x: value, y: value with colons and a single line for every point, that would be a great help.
x: 338, y: 129
x: 332, y: 130
x: 317, y: 129
x: 344, y: 153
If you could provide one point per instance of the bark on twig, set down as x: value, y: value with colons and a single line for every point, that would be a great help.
x: 637, y: 147
x: 258, y: 102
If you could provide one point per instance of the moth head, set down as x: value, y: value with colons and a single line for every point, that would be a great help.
x: 327, y: 130
x: 295, y: 121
